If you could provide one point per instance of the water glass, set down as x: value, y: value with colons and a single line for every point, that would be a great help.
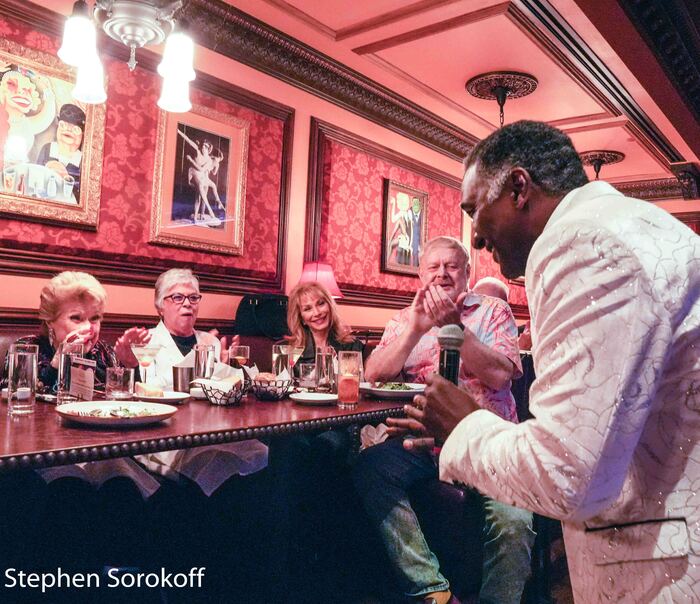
x: 21, y: 379
x: 325, y: 368
x: 281, y: 358
x: 349, y: 371
x: 120, y: 383
x: 66, y: 352
x: 204, y: 360
x: 307, y: 375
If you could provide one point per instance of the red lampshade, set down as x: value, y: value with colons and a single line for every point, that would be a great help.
x: 323, y: 274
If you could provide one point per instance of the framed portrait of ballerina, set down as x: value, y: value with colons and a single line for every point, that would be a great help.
x: 199, y: 181
x: 50, y: 144
x: 405, y: 228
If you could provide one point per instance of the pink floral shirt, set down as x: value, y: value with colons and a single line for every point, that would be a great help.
x: 491, y: 320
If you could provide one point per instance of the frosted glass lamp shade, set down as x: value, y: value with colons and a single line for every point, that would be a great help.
x: 79, y: 37
x: 90, y: 83
x: 175, y: 95
x: 178, y: 57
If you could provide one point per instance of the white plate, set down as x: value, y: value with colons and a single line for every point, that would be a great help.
x: 82, y: 413
x: 168, y: 397
x: 385, y: 393
x: 314, y: 398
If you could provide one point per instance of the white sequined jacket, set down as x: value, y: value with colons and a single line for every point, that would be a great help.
x: 614, y: 291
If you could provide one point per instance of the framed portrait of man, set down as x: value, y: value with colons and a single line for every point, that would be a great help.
x: 405, y: 228
x: 199, y: 181
x: 51, y: 145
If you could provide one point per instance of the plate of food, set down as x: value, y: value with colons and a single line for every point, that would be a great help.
x: 314, y: 398
x: 154, y: 394
x: 403, y: 390
x: 115, y: 413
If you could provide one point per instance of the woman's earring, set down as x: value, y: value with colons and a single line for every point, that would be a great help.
x: 52, y: 336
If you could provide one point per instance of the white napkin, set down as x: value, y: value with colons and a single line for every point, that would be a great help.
x: 187, y: 361
x: 369, y: 435
x: 219, y: 380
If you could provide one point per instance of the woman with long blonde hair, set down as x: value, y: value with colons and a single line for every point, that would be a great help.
x: 314, y: 322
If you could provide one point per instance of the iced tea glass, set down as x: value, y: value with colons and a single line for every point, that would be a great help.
x: 349, y: 371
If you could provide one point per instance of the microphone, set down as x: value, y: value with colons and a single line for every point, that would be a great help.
x: 450, y: 338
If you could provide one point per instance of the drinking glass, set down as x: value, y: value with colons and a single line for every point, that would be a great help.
x: 204, y: 360
x: 146, y: 355
x: 66, y: 352
x: 307, y: 376
x: 280, y: 358
x: 68, y: 183
x: 349, y: 370
x: 296, y: 352
x: 120, y: 383
x: 21, y: 379
x: 325, y: 368
x: 238, y: 356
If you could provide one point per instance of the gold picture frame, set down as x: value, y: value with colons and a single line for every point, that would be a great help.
x: 51, y: 146
x: 405, y: 228
x: 199, y: 181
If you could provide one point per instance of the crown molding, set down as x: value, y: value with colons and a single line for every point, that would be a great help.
x: 651, y: 190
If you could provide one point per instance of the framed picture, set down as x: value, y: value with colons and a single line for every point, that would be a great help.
x: 51, y: 159
x: 405, y: 228
x: 199, y: 181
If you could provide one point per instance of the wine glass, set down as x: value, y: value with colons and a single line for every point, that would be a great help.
x: 296, y: 354
x: 145, y: 354
x: 238, y: 356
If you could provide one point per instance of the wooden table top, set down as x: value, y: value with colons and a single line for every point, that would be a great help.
x: 44, y: 439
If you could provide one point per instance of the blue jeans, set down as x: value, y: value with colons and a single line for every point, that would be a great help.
x: 383, y: 476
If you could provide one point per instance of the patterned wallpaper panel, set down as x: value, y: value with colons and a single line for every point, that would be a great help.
x: 352, y: 216
x: 127, y: 179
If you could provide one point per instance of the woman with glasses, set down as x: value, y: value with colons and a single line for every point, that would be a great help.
x: 220, y: 472
x: 177, y: 301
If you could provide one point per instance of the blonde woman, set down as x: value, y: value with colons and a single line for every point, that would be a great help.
x: 71, y: 309
x: 313, y: 321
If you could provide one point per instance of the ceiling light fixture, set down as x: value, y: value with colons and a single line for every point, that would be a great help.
x: 501, y: 85
x: 598, y: 159
x: 134, y: 23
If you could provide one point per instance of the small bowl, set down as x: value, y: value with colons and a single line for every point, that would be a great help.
x: 273, y: 390
x: 224, y: 398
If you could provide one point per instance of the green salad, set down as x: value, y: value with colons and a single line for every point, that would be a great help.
x: 393, y: 386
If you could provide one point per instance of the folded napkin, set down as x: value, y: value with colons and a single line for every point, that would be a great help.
x: 221, y: 378
x: 371, y: 435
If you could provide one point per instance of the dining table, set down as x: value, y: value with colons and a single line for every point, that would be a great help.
x: 44, y: 439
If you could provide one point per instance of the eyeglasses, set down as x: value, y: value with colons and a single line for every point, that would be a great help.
x: 180, y: 298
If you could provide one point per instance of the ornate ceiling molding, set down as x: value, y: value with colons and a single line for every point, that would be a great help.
x: 671, y: 28
x: 651, y: 190
x: 688, y: 176
x: 231, y: 32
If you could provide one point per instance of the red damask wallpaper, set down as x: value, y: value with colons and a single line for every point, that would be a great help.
x: 352, y: 216
x: 127, y: 179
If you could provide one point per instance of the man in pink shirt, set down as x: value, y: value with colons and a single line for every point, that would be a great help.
x: 409, y: 351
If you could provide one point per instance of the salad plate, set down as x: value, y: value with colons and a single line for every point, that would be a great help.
x: 115, y: 413
x: 168, y: 397
x: 314, y: 398
x: 398, y: 390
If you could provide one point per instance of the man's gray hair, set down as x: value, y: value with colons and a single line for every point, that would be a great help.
x: 490, y: 286
x: 449, y: 242
x: 170, y: 278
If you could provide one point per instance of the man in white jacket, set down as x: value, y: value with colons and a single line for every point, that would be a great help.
x: 614, y: 291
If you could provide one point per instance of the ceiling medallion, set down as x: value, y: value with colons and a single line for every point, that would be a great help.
x: 599, y: 158
x: 501, y: 85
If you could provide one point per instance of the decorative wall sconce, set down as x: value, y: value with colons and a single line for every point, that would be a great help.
x: 501, y: 85
x: 599, y: 158
x: 134, y: 23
